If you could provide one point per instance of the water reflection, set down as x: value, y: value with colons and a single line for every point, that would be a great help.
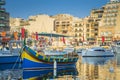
x: 87, y: 68
x: 96, y: 60
x: 97, y: 68
x: 48, y: 73
x: 118, y: 57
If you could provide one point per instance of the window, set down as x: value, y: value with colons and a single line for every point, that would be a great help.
x: 79, y: 35
x: 87, y: 30
x: 87, y: 25
x: 75, y: 30
x: 75, y: 25
x: 102, y: 33
x: 75, y: 35
x: 80, y: 25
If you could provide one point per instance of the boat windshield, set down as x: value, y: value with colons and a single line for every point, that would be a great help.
x: 118, y: 43
x: 97, y: 49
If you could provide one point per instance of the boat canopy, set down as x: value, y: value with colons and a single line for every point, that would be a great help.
x: 53, y: 35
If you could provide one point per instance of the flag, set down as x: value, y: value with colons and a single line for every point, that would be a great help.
x: 23, y: 32
x: 103, y: 39
x: 16, y: 35
x: 3, y: 34
x: 63, y: 39
x: 36, y: 36
x: 33, y: 36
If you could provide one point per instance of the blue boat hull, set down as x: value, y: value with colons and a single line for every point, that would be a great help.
x: 27, y: 64
x: 10, y: 62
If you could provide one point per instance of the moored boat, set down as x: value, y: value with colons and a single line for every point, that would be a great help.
x: 32, y: 59
x: 41, y: 57
x: 97, y: 52
x: 9, y: 55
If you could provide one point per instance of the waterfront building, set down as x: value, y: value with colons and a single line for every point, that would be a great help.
x: 97, y: 13
x: 37, y: 23
x: 16, y: 24
x: 90, y: 29
x: 92, y: 25
x: 63, y: 24
x: 78, y: 30
x: 110, y: 23
x: 4, y: 18
x: 40, y: 23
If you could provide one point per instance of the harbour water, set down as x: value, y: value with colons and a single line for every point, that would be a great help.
x: 87, y: 68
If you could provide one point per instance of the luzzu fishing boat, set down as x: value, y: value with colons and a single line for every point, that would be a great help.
x: 38, y: 60
x: 44, y: 58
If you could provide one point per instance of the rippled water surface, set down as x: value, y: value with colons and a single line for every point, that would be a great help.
x: 87, y: 68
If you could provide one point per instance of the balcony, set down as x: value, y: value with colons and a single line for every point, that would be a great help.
x: 2, y: 9
x: 1, y: 25
x: 94, y: 31
x: 2, y: 2
x: 2, y: 18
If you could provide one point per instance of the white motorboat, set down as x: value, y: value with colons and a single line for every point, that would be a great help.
x: 97, y: 52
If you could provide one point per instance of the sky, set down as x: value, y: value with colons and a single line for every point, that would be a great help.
x: 77, y: 8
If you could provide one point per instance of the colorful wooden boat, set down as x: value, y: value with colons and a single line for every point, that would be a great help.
x: 32, y: 59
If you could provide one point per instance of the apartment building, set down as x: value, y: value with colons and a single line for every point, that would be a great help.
x: 78, y: 30
x: 40, y: 23
x: 110, y: 23
x: 4, y: 18
x: 63, y: 24
x: 16, y: 24
x: 92, y: 24
x: 90, y: 29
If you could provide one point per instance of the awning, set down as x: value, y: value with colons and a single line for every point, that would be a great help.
x: 53, y: 35
x: 5, y: 39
